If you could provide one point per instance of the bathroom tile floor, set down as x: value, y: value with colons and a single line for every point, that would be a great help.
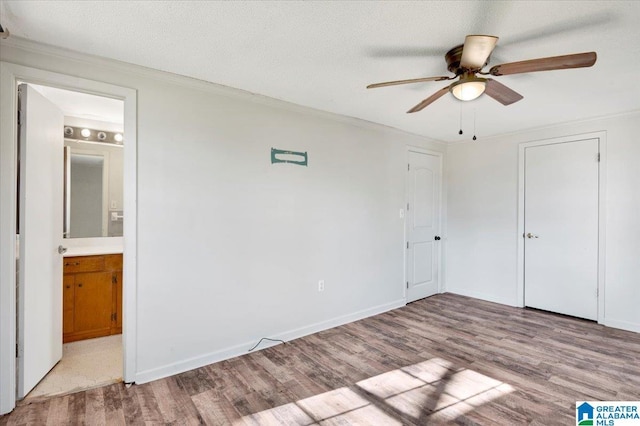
x: 85, y: 364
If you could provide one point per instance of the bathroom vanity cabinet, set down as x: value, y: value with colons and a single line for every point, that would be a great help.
x: 92, y: 296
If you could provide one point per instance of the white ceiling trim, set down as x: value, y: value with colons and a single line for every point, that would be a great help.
x: 231, y: 92
x: 196, y: 84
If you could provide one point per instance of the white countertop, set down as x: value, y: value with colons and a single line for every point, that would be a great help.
x: 93, y: 246
x: 90, y: 251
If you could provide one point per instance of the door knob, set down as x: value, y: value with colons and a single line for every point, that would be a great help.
x: 530, y: 235
x: 437, y: 238
x: 61, y: 249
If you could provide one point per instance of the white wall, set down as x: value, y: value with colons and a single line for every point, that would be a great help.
x: 482, y: 180
x: 230, y: 247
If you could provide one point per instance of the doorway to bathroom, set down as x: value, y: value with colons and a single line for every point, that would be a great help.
x: 11, y: 76
x: 69, y: 197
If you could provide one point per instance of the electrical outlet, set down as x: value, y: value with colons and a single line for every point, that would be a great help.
x: 321, y: 285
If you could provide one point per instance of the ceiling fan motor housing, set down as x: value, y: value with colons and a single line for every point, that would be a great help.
x: 453, y: 58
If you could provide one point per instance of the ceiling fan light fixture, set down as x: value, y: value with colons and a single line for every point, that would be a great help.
x: 469, y: 88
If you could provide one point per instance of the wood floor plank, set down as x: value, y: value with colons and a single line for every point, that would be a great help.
x: 58, y: 411
x: 444, y: 359
x: 148, y: 404
x: 95, y: 410
x: 114, y: 414
x: 77, y: 407
x: 175, y: 406
x: 214, y: 409
x: 130, y: 405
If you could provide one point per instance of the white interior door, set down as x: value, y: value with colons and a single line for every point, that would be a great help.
x: 561, y: 228
x: 423, y: 225
x: 40, y: 226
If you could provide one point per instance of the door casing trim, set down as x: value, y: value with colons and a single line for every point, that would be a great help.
x: 10, y: 75
x: 602, y: 175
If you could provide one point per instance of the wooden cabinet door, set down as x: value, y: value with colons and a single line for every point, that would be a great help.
x: 92, y: 292
x: 68, y: 299
x: 93, y: 303
x: 118, y: 302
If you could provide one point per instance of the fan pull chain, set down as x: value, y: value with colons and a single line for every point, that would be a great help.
x: 474, y: 125
x: 460, y: 131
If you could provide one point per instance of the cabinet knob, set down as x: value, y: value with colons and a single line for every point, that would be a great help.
x: 68, y: 286
x: 80, y: 285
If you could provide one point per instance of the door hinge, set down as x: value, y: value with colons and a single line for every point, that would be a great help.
x: 17, y: 351
x: 598, y: 157
x: 19, y: 118
x: 407, y: 244
x: 408, y: 167
x: 114, y: 316
x: 407, y: 284
x: 407, y: 206
x: 597, y: 292
x: 114, y: 279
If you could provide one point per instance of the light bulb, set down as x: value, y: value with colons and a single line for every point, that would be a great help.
x: 118, y: 137
x: 85, y: 133
x: 469, y: 88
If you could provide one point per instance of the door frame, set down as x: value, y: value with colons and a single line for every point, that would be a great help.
x: 10, y: 75
x: 439, y: 249
x: 602, y: 174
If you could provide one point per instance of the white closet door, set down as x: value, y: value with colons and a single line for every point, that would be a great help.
x: 561, y: 228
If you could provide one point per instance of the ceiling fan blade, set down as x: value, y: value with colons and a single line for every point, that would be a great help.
x: 422, y: 105
x: 413, y: 80
x: 476, y: 51
x: 501, y: 93
x: 578, y: 60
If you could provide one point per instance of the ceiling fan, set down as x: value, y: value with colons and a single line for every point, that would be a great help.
x: 466, y: 62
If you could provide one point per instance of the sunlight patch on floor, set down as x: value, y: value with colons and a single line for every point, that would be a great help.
x: 430, y: 390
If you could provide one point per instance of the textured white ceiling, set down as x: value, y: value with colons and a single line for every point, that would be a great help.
x: 323, y: 54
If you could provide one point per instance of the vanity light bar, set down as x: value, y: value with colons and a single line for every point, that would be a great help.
x: 93, y: 135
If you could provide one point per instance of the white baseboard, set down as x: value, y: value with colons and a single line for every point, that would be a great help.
x: 484, y: 296
x: 241, y: 349
x: 623, y: 325
x: 613, y: 323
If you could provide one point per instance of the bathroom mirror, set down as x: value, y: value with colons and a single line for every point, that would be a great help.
x: 92, y: 190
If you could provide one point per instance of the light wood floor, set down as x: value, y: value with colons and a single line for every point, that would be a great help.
x: 443, y: 359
